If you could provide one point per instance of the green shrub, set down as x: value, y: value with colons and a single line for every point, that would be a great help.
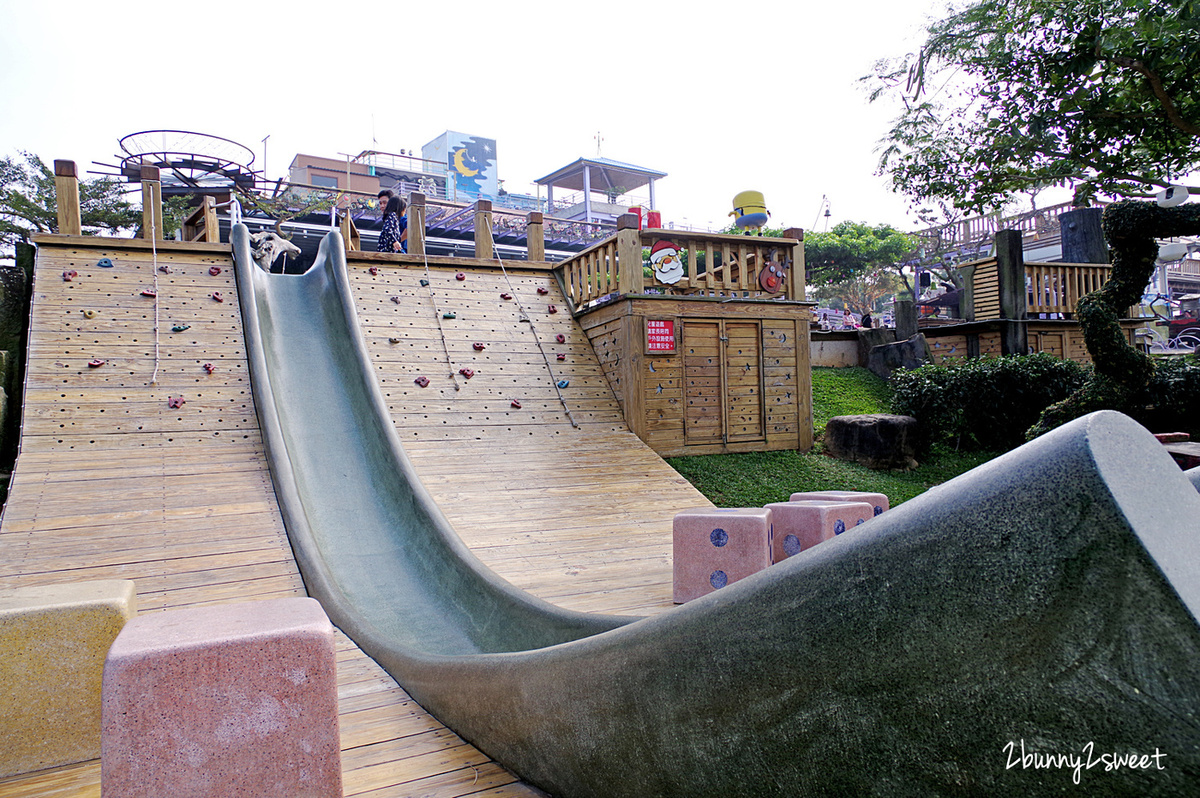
x: 1171, y: 403
x: 984, y: 403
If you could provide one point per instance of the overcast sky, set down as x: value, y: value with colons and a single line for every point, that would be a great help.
x: 723, y: 98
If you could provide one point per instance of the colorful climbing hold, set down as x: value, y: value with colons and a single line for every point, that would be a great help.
x: 422, y: 381
x: 175, y: 402
x: 209, y: 367
x: 468, y: 373
x: 563, y: 383
x: 543, y: 290
x: 214, y: 270
x: 69, y: 275
x: 449, y: 316
x: 217, y: 296
x: 478, y: 347
x: 105, y: 263
x: 150, y: 292
x: 164, y: 269
x: 460, y: 277
x: 181, y: 327
x: 552, y: 309
x: 424, y: 283
x: 506, y: 296
x: 561, y: 356
x: 396, y: 299
x: 393, y: 340
x: 515, y: 404
x: 374, y: 270
x: 89, y: 314
x: 95, y: 364
x: 562, y: 339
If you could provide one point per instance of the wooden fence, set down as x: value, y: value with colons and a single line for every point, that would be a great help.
x: 715, y: 264
x: 1050, y: 288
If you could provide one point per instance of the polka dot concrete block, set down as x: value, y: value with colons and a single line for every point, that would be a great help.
x: 878, y: 501
x: 802, y: 525
x: 228, y: 700
x: 716, y: 547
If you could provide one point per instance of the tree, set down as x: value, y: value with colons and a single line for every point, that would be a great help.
x: 28, y: 202
x: 852, y: 251
x: 1008, y: 96
x: 861, y: 293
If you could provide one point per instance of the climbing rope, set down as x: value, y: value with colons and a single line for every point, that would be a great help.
x: 433, y: 301
x: 523, y: 316
x: 154, y: 271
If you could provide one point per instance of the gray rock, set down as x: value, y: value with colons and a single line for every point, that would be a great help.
x: 877, y: 441
x: 910, y: 354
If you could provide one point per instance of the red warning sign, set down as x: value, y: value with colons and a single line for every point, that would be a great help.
x: 660, y: 335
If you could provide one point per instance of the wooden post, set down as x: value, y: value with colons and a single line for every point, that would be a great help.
x: 415, y: 214
x: 795, y: 287
x: 966, y: 302
x: 349, y: 231
x: 535, y: 237
x: 1082, y: 238
x: 630, y: 279
x: 483, y: 230
x: 1010, y: 269
x: 66, y: 189
x: 151, y: 203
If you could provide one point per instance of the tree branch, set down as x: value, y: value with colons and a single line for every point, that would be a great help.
x: 1156, y: 85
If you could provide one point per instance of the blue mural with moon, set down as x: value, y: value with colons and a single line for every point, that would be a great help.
x: 472, y: 163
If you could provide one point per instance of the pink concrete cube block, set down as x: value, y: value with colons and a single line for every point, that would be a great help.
x: 229, y: 700
x: 715, y: 547
x: 802, y: 525
x: 878, y: 501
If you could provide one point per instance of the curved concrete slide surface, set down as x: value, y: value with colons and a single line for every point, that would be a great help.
x: 1048, y: 599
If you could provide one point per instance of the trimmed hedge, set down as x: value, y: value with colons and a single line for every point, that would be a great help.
x: 1171, y: 402
x: 984, y: 403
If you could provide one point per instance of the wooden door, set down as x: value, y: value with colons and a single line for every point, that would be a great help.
x: 722, y: 382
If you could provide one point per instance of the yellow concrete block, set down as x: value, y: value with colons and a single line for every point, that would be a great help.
x: 53, y: 641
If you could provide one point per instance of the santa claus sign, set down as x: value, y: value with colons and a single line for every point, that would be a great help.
x: 664, y: 257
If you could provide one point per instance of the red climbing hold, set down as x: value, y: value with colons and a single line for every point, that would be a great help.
x: 210, y: 368
x: 552, y: 309
x: 217, y: 296
x: 561, y: 356
x: 478, y: 347
x: 460, y: 277
x: 468, y: 373
x: 422, y: 381
x: 396, y: 299
x: 516, y: 404
x: 506, y: 296
x: 69, y: 275
x: 543, y: 290
x: 562, y: 339
x: 95, y: 364
x: 374, y: 270
x: 175, y: 402
x: 214, y: 270
x: 150, y: 292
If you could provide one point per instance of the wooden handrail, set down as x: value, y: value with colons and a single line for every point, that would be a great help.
x: 201, y: 224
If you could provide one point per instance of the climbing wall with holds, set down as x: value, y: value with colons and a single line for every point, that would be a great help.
x: 517, y: 432
x: 140, y: 453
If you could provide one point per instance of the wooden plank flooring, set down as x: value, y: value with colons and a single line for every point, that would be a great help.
x: 112, y: 483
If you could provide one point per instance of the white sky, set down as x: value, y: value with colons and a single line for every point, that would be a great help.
x: 724, y: 98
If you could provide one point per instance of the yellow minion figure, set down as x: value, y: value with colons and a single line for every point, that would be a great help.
x: 750, y: 210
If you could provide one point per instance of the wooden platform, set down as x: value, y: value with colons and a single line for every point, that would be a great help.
x: 113, y: 483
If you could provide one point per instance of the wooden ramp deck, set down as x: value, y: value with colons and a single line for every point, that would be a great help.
x: 113, y: 483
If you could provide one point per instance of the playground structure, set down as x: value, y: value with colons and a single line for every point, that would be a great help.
x: 123, y: 479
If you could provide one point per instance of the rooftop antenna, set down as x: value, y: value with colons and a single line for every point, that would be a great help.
x: 598, y: 140
x: 264, y: 169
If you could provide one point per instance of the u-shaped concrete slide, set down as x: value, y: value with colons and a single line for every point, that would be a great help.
x: 1045, y: 603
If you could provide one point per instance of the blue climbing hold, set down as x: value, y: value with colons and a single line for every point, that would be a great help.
x: 563, y: 383
x: 719, y: 537
x: 718, y: 579
x: 104, y: 263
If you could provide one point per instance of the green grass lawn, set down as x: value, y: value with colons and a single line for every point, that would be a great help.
x: 758, y: 478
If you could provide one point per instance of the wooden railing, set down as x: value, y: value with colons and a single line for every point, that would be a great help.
x: 716, y: 265
x: 1058, y: 287
x: 201, y: 224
